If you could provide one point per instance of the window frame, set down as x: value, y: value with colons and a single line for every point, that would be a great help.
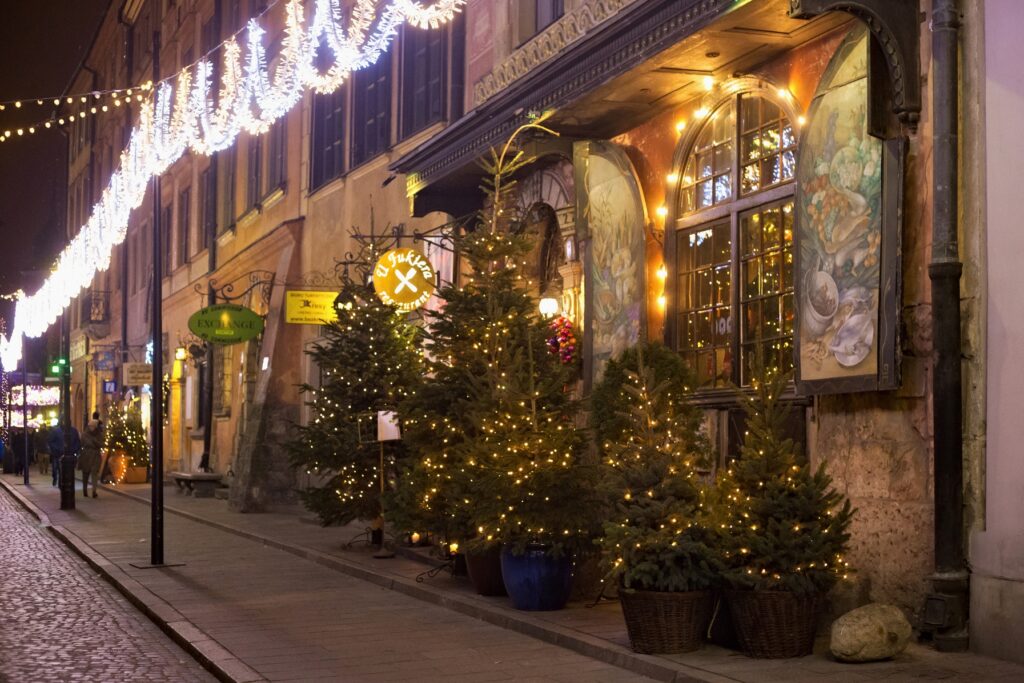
x: 418, y: 99
x: 729, y: 211
x: 184, y: 236
x: 379, y: 78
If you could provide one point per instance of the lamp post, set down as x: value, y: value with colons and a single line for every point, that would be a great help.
x: 156, y: 397
x: 67, y: 460
x: 24, y: 403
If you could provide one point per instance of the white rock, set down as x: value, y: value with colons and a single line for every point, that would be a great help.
x: 870, y: 633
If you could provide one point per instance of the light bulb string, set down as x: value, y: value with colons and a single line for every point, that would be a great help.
x: 179, y: 117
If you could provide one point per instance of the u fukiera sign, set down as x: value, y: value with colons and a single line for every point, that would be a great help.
x: 403, y: 278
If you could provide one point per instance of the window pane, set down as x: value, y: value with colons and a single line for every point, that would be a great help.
x: 769, y: 112
x: 770, y: 317
x: 723, y: 326
x: 770, y: 224
x: 751, y: 178
x: 788, y: 139
x: 723, y: 188
x: 703, y: 337
x: 723, y: 243
x: 722, y: 282
x: 751, y: 278
x: 751, y: 146
x: 787, y: 314
x: 750, y: 228
x: 751, y: 321
x: 770, y: 279
x: 705, y: 166
x: 686, y: 291
x: 770, y: 170
x: 705, y: 369
x: 705, y: 288
x: 723, y: 157
x: 704, y: 196
x: 723, y: 366
x: 788, y: 165
x: 687, y: 200
x: 750, y: 112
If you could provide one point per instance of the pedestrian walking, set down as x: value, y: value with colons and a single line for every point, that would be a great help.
x: 43, y: 449
x: 55, y: 445
x: 89, y: 460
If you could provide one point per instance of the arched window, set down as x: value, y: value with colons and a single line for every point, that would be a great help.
x: 732, y: 250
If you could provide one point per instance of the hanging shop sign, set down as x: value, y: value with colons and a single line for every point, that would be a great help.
x: 136, y: 374
x: 226, y: 324
x: 110, y: 386
x: 403, y: 278
x: 309, y: 308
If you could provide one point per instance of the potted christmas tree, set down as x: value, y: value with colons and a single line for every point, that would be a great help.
x: 369, y: 362
x: 124, y: 443
x: 785, y: 531
x: 493, y: 425
x: 658, y: 545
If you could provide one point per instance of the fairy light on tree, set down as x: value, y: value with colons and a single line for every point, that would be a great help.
x: 369, y: 362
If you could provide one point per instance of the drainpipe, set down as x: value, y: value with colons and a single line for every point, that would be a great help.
x: 946, y: 609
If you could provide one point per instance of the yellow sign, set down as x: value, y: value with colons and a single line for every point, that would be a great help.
x: 403, y: 278
x: 310, y: 308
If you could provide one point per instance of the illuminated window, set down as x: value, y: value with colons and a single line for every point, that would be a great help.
x: 734, y: 244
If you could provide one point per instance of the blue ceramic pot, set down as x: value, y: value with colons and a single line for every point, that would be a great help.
x: 535, y: 581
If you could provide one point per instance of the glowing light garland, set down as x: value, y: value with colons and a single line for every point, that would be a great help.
x: 182, y: 117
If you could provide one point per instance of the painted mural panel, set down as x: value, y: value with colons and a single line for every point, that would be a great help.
x: 839, y: 231
x: 615, y: 219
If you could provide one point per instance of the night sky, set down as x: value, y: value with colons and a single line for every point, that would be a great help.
x: 41, y: 44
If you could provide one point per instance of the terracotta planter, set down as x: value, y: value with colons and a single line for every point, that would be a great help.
x: 485, y: 571
x: 773, y: 624
x: 665, y: 623
x: 135, y: 475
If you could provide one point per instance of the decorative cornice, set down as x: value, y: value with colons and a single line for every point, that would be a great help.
x: 545, y: 45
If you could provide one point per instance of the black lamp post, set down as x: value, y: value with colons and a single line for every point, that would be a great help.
x: 67, y: 461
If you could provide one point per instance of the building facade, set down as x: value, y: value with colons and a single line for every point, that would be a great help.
x: 752, y: 183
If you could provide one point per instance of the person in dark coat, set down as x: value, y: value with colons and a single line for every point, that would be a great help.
x: 42, y: 449
x: 89, y: 460
x: 55, y: 445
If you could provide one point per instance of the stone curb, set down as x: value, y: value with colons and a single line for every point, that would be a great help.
x: 521, y: 622
x: 201, y: 646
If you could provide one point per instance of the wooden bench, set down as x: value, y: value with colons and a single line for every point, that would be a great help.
x: 197, y: 484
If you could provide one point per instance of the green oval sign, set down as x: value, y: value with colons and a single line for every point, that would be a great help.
x: 225, y: 324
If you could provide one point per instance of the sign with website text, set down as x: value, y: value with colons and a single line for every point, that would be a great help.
x: 403, y: 278
x: 137, y: 374
x: 225, y: 324
x: 309, y: 308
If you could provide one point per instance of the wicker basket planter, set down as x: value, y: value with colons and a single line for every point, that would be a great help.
x: 664, y: 623
x: 773, y: 624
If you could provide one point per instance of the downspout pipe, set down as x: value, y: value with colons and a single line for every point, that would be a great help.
x: 950, y: 581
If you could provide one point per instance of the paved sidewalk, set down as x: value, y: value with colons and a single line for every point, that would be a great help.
x: 286, y: 618
x: 600, y: 632
x: 60, y: 621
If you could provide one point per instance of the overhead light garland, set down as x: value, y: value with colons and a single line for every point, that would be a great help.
x: 181, y: 116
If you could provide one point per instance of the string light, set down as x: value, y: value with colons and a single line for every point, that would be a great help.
x: 179, y: 117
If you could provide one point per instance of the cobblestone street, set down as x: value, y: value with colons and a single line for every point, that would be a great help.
x: 59, y: 621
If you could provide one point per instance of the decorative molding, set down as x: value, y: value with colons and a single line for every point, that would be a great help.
x: 545, y: 45
x: 896, y: 27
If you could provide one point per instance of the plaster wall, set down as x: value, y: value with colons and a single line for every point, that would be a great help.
x: 997, y: 550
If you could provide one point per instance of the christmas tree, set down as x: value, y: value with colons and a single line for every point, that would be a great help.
x: 124, y: 433
x: 493, y: 426
x: 784, y: 526
x: 369, y: 362
x: 659, y: 539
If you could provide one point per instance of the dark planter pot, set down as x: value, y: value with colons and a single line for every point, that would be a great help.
x: 485, y: 571
x: 773, y: 624
x: 535, y: 580
x: 666, y: 623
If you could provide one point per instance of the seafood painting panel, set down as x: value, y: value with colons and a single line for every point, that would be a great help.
x: 844, y: 281
x: 614, y: 220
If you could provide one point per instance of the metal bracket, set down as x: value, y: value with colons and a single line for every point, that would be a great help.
x: 896, y: 27
x: 263, y: 279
